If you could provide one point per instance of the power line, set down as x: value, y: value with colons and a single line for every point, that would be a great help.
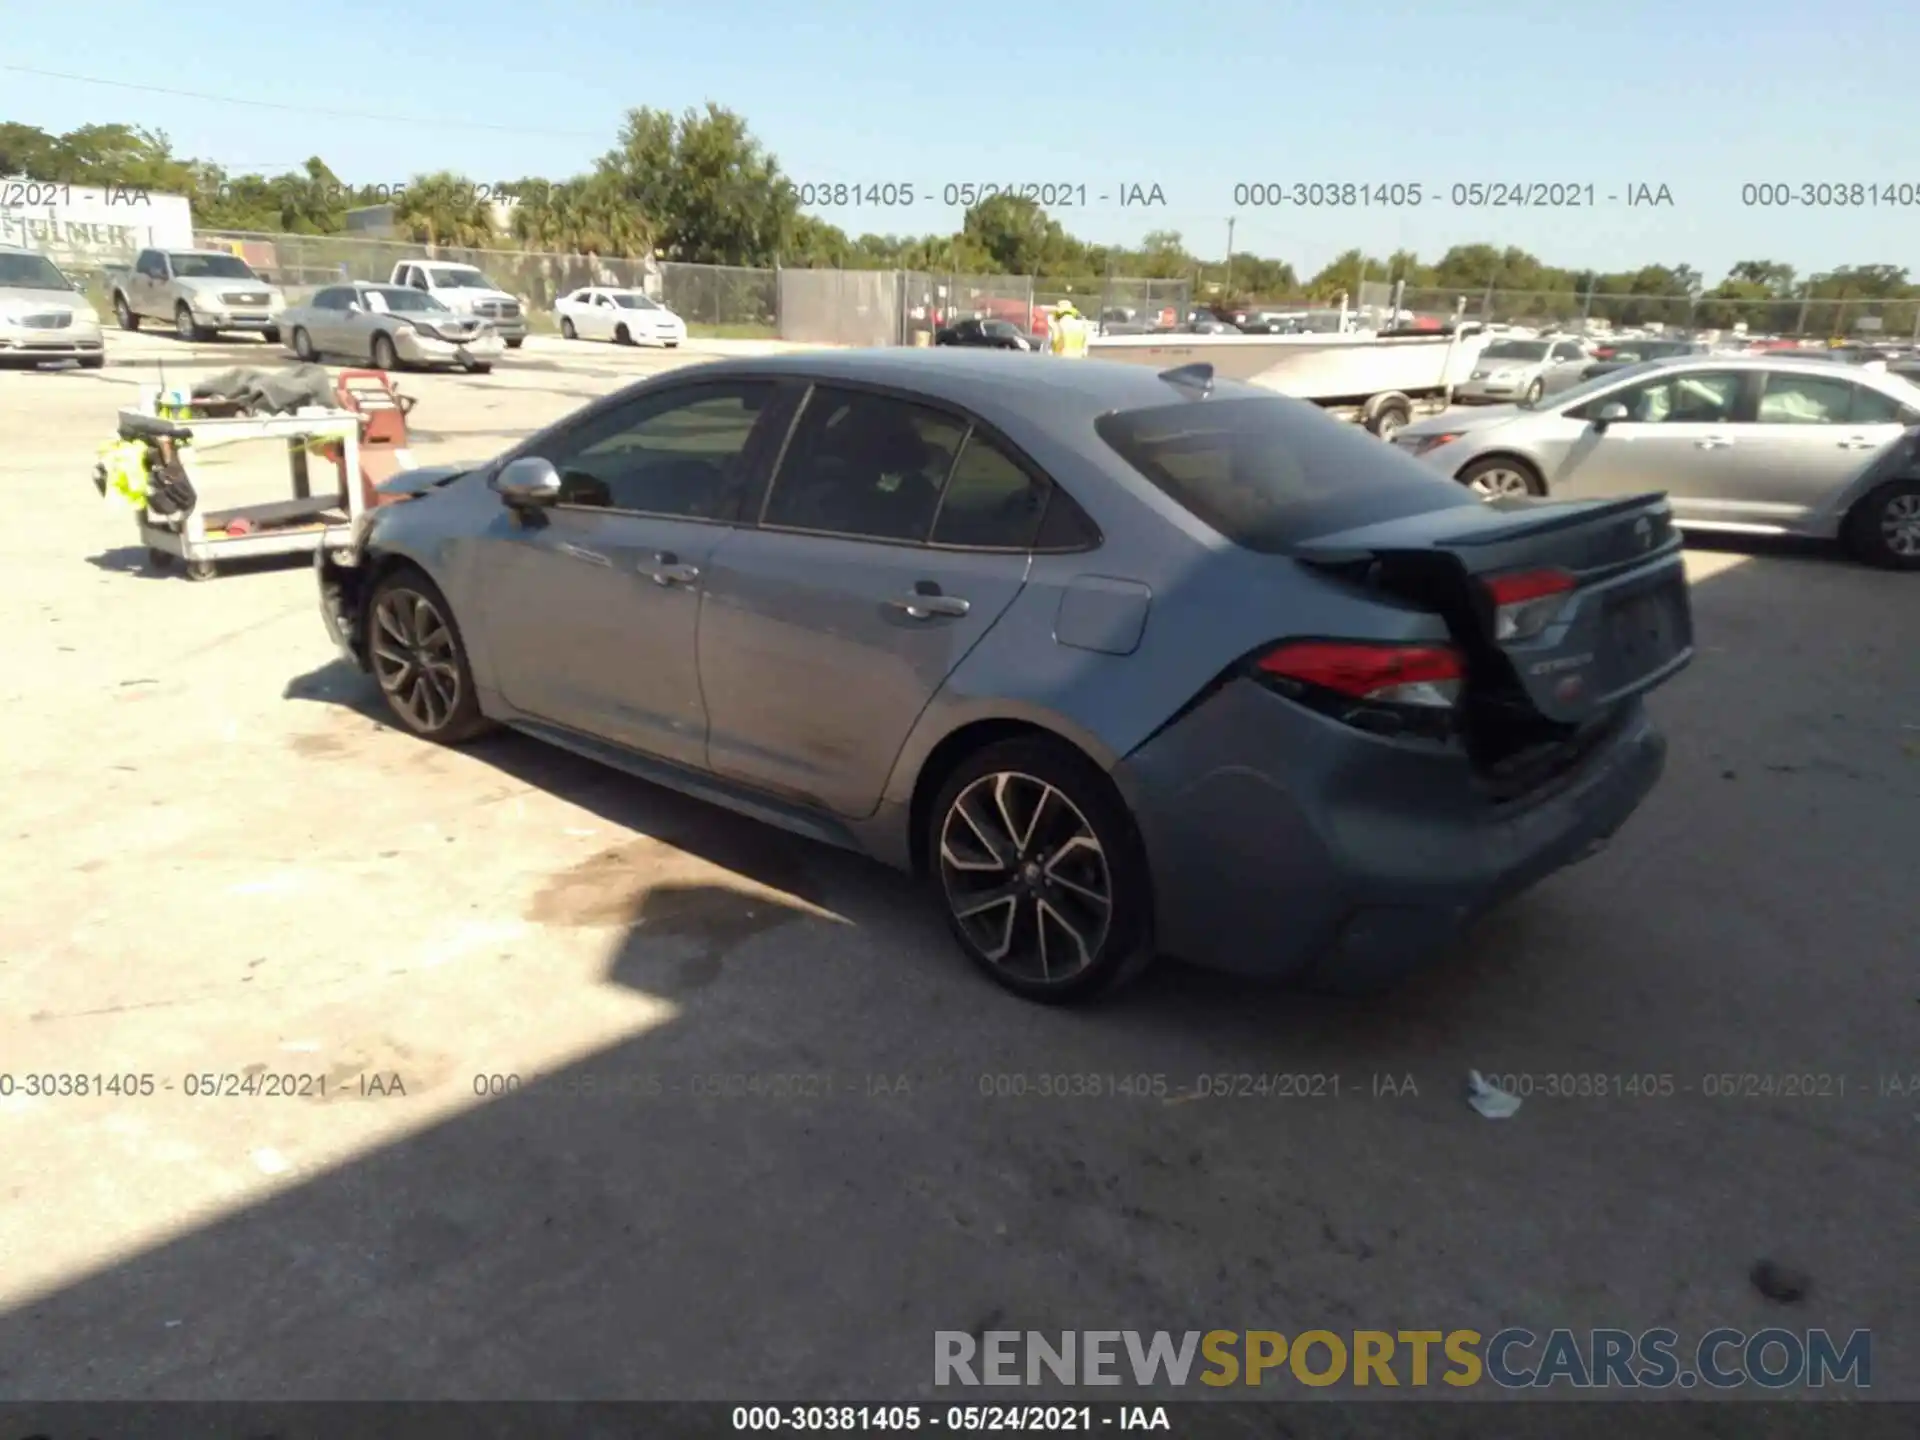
x: 441, y: 122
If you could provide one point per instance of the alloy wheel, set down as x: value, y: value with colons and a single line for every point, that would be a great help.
x: 1501, y: 481
x: 415, y: 658
x: 1900, y: 525
x: 1026, y: 878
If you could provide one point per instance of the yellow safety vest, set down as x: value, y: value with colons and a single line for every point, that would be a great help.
x: 1068, y: 336
x: 124, y: 464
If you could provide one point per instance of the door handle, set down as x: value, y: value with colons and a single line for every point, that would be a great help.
x: 666, y: 569
x: 925, y: 604
x: 1857, y: 442
x: 1713, y: 442
x: 580, y: 552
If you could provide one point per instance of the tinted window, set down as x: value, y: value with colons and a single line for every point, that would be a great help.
x: 1567, y: 352
x: 1693, y: 397
x: 1871, y: 407
x: 1515, y: 350
x: 990, y: 502
x: 679, y: 453
x: 1267, y: 473
x: 1065, y: 525
x: 864, y: 465
x: 212, y: 267
x: 1805, y: 399
x: 330, y: 300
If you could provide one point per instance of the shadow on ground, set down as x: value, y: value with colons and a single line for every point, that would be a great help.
x: 134, y: 560
x: 976, y: 1163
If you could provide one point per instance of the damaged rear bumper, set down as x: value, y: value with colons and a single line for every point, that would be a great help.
x: 1282, y: 844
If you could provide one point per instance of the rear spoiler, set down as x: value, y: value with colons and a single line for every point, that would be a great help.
x: 1467, y: 527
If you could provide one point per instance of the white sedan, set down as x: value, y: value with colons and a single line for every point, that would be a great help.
x: 626, y: 317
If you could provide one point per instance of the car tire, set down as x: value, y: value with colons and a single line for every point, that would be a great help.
x: 567, y: 332
x: 622, y: 335
x: 516, y: 342
x: 271, y: 335
x: 483, y: 368
x: 415, y: 650
x: 201, y: 571
x: 1884, y: 528
x: 1501, y: 477
x: 123, y: 313
x: 303, y: 345
x: 1535, y: 391
x: 385, y: 357
x: 93, y: 362
x: 1078, y: 914
x: 183, y: 324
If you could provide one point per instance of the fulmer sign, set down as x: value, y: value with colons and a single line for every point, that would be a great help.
x: 81, y: 227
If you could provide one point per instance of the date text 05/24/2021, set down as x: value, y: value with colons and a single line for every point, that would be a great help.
x: 1572, y: 194
x: 1058, y: 194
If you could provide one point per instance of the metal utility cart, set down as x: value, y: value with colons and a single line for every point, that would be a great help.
x: 298, y: 523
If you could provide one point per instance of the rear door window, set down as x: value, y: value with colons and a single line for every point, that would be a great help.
x: 991, y: 502
x: 1876, y: 407
x: 864, y: 465
x: 1791, y: 399
x: 1267, y: 472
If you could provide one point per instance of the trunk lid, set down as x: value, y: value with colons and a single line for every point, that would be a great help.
x: 1616, y: 619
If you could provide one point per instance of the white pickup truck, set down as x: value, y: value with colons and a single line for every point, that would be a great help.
x: 466, y: 290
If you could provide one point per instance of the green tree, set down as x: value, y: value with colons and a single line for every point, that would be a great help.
x: 29, y: 151
x: 444, y: 209
x: 712, y: 192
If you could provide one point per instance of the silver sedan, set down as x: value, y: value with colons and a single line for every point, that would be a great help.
x: 1523, y: 370
x: 389, y: 326
x: 1748, y: 444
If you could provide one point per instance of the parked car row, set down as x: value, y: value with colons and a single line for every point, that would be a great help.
x: 430, y: 313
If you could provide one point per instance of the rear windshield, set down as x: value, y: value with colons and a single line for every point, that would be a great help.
x: 1268, y: 472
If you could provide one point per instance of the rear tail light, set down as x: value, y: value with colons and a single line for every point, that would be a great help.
x: 1420, y: 445
x: 1389, y: 689
x: 1525, y: 602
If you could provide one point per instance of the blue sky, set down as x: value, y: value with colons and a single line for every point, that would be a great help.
x: 1699, y: 96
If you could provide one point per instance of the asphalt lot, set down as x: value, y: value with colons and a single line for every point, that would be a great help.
x: 764, y: 1165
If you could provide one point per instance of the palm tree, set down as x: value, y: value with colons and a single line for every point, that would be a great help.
x: 444, y: 209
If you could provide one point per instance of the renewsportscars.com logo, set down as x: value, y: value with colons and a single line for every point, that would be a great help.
x: 1511, y: 1359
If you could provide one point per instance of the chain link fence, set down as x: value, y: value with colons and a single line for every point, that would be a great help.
x: 1129, y: 306
x: 712, y: 299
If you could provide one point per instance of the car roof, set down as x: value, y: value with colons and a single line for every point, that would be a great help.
x: 192, y: 250
x: 982, y: 380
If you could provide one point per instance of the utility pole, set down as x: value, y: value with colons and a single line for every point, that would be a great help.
x: 1229, y: 287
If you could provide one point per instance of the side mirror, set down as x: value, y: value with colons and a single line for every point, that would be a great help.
x: 528, y: 483
x: 1609, y: 414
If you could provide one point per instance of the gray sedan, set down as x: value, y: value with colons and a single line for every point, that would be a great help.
x: 389, y: 326
x: 1762, y: 444
x: 1124, y: 662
